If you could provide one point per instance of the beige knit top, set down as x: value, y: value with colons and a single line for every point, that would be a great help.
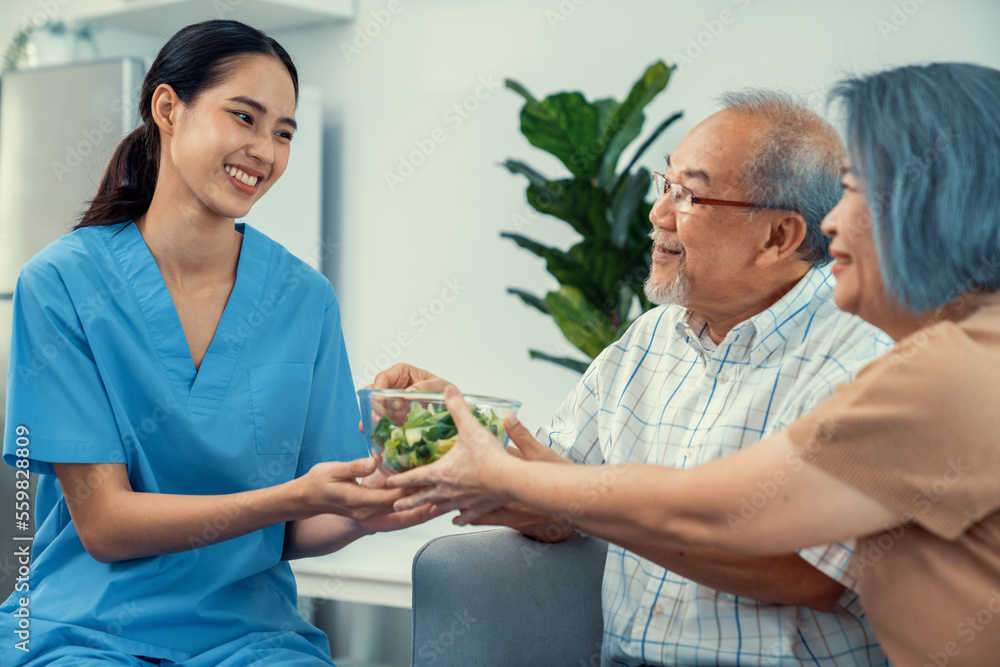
x: 919, y: 431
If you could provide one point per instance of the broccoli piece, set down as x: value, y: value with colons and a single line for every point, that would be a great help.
x: 427, y: 435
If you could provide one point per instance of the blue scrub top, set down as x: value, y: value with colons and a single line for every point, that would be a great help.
x: 101, y: 372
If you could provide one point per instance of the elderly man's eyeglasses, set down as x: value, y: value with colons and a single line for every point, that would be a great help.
x: 684, y: 200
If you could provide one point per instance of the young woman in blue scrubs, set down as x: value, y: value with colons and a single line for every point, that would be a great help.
x: 180, y: 383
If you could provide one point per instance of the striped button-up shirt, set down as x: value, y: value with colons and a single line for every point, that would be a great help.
x: 665, y: 394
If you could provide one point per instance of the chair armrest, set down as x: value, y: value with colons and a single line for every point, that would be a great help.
x: 499, y: 598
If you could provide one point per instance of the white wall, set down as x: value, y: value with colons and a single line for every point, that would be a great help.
x: 396, y: 249
x: 399, y: 247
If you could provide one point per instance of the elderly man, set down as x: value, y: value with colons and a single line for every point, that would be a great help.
x: 747, y: 340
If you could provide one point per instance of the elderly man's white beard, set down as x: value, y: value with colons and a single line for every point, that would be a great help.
x: 678, y: 290
x: 674, y: 293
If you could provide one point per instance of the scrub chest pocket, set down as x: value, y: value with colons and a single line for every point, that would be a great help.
x: 279, y: 397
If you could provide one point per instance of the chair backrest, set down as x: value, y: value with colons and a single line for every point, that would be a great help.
x: 499, y: 598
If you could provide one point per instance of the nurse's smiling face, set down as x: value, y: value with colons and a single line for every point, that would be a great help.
x: 221, y: 153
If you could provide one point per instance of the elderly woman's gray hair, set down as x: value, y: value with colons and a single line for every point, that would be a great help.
x: 925, y: 140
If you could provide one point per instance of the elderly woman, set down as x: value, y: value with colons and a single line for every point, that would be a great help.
x: 906, y: 455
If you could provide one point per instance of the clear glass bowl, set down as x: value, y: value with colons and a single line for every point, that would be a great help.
x: 406, y: 429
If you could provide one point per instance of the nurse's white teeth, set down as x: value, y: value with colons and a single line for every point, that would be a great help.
x: 241, y: 176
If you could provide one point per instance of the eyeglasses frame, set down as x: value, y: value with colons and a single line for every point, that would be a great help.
x: 695, y: 199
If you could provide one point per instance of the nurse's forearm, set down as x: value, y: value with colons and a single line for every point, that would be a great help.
x: 319, y: 535
x: 160, y: 523
x: 116, y: 523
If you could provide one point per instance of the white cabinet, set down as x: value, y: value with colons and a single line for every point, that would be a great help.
x: 164, y: 17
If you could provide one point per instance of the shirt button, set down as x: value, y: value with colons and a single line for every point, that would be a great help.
x: 657, y: 610
x: 723, y: 378
x: 758, y: 355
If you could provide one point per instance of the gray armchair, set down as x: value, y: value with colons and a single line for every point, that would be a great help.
x: 499, y: 598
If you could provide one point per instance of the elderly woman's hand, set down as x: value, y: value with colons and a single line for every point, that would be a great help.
x: 466, y: 477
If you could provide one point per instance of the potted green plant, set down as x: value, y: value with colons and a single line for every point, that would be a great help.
x: 601, y: 277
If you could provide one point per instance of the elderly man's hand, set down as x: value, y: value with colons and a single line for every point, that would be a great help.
x: 528, y: 447
x: 536, y: 525
x: 461, y: 479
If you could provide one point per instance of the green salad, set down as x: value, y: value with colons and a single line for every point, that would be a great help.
x: 426, y: 436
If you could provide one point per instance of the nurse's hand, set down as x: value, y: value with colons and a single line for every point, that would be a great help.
x: 464, y: 478
x: 332, y: 488
x: 393, y: 520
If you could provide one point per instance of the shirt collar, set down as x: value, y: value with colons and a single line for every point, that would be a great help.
x: 768, y: 329
x: 790, y: 315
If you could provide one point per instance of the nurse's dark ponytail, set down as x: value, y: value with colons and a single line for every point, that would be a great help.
x: 198, y: 57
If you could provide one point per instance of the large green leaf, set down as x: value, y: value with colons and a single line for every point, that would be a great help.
x: 565, y: 125
x: 584, y: 326
x: 626, y: 123
x: 563, y: 266
x: 543, y: 251
x: 606, y: 110
x: 520, y: 90
x: 568, y: 362
x: 625, y: 205
x: 638, y: 231
x: 576, y: 202
x: 530, y: 299
x: 518, y: 167
x: 645, y: 145
x: 607, y: 268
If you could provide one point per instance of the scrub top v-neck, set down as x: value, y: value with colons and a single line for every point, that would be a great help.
x: 101, y: 372
x: 208, y: 385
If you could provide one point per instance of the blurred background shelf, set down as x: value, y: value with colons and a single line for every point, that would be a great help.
x: 164, y: 17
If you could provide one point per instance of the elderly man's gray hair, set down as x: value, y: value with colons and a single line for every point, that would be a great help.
x: 798, y: 165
